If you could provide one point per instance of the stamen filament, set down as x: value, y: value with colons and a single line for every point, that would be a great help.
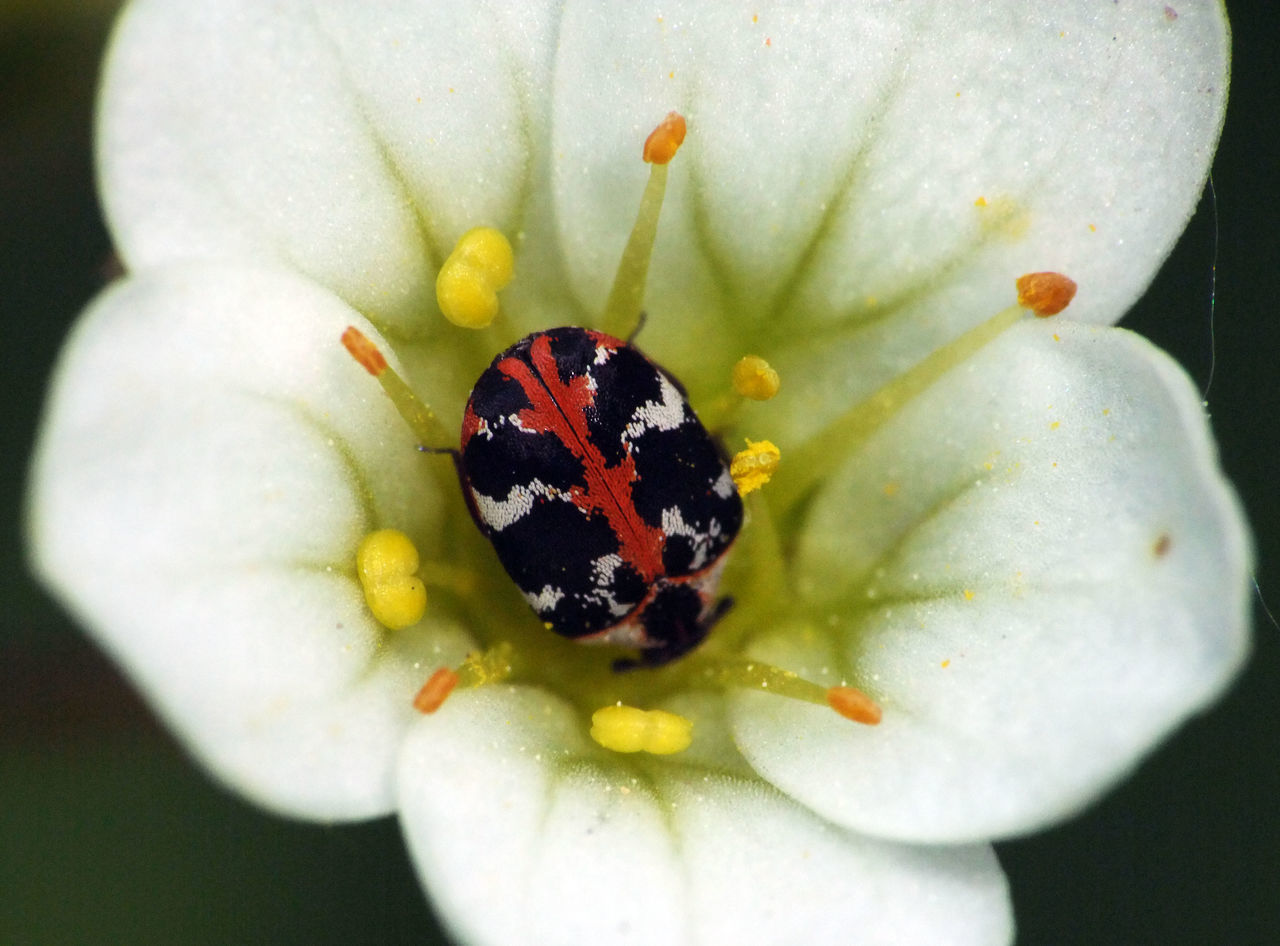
x: 626, y: 298
x: 822, y: 454
x: 755, y: 675
x: 621, y: 315
x: 849, y: 702
x: 488, y: 666
x: 428, y: 429
x: 458, y: 580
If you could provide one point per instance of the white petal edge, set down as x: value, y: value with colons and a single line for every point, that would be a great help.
x: 204, y: 472
x: 525, y: 832
x: 1037, y: 569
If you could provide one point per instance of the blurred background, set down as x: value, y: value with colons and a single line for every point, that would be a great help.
x: 109, y: 834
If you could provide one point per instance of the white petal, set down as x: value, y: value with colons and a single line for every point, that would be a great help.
x: 526, y: 833
x: 210, y: 458
x: 836, y: 152
x: 354, y: 144
x: 1037, y: 569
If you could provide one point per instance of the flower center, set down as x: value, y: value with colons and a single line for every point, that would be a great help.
x: 653, y: 554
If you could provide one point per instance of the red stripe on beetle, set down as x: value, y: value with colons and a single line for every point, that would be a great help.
x: 561, y: 410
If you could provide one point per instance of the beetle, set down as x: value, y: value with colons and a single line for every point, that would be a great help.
x: 608, y: 503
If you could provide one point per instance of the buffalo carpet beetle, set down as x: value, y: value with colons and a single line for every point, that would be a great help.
x: 606, y: 500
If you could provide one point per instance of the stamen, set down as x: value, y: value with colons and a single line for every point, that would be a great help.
x: 1045, y: 294
x: 489, y: 666
x: 431, y: 433
x: 820, y: 456
x: 467, y: 286
x: 621, y: 314
x: 755, y: 378
x: 628, y: 729
x: 386, y: 561
x: 849, y: 702
x: 453, y: 578
x: 753, y: 467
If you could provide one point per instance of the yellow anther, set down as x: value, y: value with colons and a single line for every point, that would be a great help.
x: 628, y: 729
x: 753, y: 377
x: 386, y: 562
x: 753, y: 467
x: 467, y: 287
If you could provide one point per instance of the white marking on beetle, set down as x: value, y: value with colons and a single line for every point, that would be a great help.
x: 604, y: 567
x: 723, y: 486
x: 602, y: 576
x: 667, y: 415
x: 513, y: 420
x: 500, y: 513
x: 545, y: 600
x: 673, y: 524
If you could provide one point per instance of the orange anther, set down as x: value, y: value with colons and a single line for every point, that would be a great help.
x: 852, y: 703
x: 665, y: 140
x: 1045, y: 294
x: 435, y: 691
x: 364, y: 351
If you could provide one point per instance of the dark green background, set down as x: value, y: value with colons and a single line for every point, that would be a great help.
x: 108, y: 834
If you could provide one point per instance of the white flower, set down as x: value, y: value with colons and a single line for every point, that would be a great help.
x: 1034, y: 566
